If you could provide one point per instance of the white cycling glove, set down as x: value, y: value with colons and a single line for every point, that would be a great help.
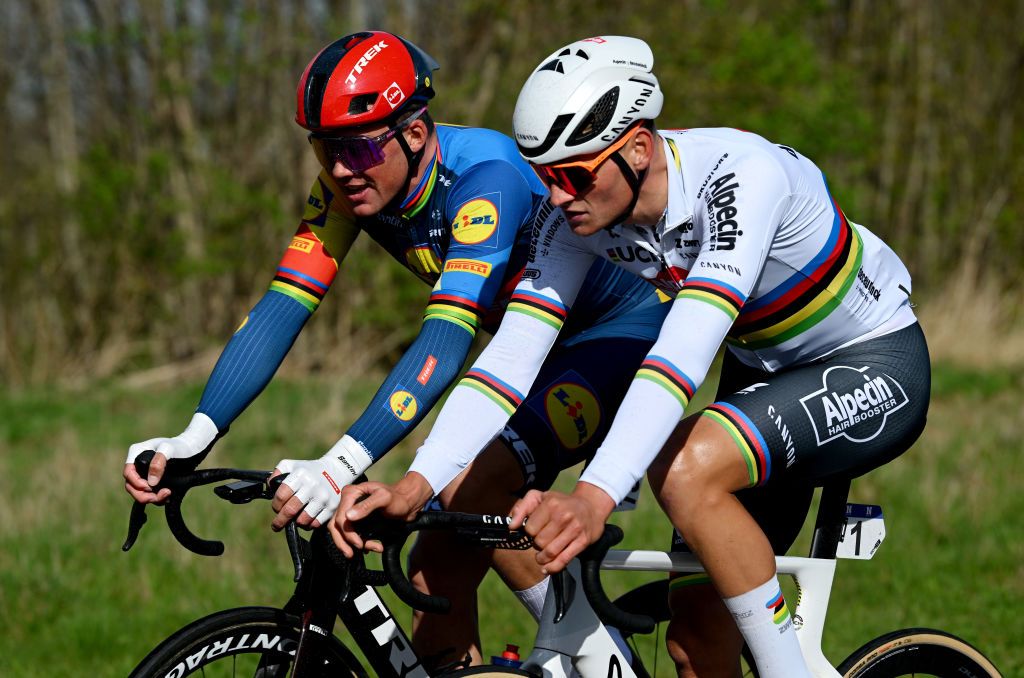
x: 317, y: 483
x: 197, y: 436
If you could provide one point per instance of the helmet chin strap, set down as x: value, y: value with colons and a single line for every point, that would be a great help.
x: 413, y: 159
x: 635, y: 180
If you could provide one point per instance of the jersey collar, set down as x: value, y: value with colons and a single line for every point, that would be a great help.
x: 678, y: 211
x: 419, y: 197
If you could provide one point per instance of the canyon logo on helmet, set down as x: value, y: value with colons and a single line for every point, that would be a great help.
x: 584, y: 97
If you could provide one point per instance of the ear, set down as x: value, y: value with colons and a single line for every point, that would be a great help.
x: 416, y: 135
x: 642, y: 152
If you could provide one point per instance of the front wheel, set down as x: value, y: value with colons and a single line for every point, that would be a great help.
x: 918, y: 652
x: 247, y: 641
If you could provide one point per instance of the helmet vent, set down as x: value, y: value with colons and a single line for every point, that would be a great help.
x: 553, y: 65
x: 362, y: 103
x: 596, y: 120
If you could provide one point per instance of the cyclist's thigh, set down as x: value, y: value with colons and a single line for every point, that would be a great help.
x: 566, y: 415
x: 840, y: 416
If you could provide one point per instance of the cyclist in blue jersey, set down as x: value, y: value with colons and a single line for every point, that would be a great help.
x: 457, y: 207
x: 826, y: 373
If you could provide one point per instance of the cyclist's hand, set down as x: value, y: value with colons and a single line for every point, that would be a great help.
x: 403, y: 501
x: 310, y: 493
x: 562, y: 525
x: 194, y: 440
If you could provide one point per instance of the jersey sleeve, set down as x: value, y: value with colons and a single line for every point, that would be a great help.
x: 305, y: 273
x: 741, y: 211
x: 487, y: 208
x: 494, y: 387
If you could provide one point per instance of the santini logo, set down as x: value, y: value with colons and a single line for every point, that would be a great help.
x: 854, y: 403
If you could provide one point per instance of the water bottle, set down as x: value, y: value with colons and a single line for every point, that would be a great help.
x: 510, y: 657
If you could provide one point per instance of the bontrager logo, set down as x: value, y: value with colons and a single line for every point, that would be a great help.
x: 363, y: 60
x: 853, y: 405
x: 229, y: 646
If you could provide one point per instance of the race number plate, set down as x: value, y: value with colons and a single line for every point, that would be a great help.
x: 863, y: 532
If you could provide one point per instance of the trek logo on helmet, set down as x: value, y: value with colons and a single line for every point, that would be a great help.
x: 365, y: 59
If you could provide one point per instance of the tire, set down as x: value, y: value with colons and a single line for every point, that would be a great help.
x: 246, y: 641
x: 918, y: 652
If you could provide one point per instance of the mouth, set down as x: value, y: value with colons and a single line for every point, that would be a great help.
x: 575, y: 218
x: 357, y: 192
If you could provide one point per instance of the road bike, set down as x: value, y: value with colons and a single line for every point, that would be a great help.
x: 573, y: 637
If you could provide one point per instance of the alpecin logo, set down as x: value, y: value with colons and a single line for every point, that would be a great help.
x: 853, y: 402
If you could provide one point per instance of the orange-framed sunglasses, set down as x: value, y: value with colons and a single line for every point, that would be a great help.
x: 577, y: 176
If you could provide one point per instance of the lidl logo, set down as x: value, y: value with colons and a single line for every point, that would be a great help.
x: 315, y: 212
x: 403, y: 405
x: 573, y: 412
x: 475, y: 222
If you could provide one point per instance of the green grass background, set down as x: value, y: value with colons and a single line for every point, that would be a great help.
x: 72, y: 604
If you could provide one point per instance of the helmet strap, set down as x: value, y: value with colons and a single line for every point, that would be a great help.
x: 413, y: 159
x: 635, y: 181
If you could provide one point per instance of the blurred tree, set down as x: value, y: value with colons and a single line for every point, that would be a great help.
x: 152, y: 174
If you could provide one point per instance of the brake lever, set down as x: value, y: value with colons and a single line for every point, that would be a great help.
x: 565, y: 591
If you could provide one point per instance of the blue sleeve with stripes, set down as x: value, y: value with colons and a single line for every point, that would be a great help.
x: 415, y: 384
x: 252, y: 357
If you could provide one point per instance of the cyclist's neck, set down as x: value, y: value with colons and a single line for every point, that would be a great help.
x: 653, y: 199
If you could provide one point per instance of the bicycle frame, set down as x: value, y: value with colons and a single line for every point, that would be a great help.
x: 580, y: 641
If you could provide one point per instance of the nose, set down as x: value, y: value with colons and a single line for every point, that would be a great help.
x: 559, y: 196
x: 339, y: 171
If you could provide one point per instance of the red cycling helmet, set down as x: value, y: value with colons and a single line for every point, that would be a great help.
x: 363, y: 78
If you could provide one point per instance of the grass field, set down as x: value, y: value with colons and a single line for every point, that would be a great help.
x: 72, y: 604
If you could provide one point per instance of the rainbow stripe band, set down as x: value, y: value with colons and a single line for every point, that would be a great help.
x: 778, y: 605
x: 808, y: 296
x: 747, y: 438
x: 668, y: 376
x: 499, y: 392
x: 724, y: 297
x: 548, y: 311
x: 451, y: 308
x: 300, y: 287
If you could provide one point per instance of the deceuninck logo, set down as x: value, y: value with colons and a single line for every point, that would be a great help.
x: 853, y: 402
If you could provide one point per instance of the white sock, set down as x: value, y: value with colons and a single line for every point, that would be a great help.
x: 767, y: 626
x: 533, y: 597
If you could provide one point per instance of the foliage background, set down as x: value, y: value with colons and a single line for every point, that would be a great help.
x: 151, y: 176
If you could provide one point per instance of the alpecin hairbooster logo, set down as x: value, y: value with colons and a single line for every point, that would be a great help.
x: 853, y: 402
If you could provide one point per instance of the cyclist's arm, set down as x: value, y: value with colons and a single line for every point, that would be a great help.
x: 495, y: 194
x: 701, y: 316
x: 264, y: 338
x: 485, y: 398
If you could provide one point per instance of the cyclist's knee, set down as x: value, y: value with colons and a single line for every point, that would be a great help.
x: 697, y: 468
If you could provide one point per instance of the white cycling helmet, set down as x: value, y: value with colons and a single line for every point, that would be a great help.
x: 584, y: 96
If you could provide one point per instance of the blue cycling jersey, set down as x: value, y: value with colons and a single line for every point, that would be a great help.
x: 466, y: 229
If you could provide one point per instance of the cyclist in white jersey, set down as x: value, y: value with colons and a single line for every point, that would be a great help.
x: 826, y: 373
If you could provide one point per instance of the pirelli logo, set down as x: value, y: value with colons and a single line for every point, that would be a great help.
x: 467, y: 266
x: 301, y: 244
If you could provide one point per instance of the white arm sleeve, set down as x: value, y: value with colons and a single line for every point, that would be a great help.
x: 489, y: 393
